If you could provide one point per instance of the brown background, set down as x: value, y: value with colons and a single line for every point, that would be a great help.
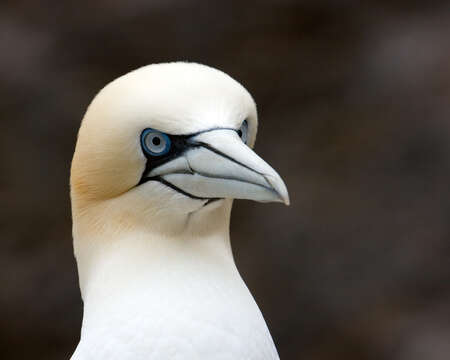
x: 354, y: 105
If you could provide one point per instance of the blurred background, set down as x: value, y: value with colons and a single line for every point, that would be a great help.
x: 354, y: 106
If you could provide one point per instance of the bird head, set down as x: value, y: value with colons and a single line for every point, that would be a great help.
x: 167, y: 144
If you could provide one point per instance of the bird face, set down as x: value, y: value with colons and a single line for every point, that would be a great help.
x: 166, y: 141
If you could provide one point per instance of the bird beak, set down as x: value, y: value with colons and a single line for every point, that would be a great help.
x: 217, y: 164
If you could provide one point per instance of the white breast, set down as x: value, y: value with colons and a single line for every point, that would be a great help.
x: 184, y: 306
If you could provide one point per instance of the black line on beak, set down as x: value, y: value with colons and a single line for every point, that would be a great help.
x: 181, y: 144
x: 173, y: 187
x: 218, y: 152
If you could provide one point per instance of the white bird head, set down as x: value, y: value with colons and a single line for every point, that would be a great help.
x: 167, y: 144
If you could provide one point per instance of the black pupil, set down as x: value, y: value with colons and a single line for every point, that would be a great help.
x: 156, y: 141
x: 240, y: 133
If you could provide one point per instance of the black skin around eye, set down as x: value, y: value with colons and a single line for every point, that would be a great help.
x: 179, y: 144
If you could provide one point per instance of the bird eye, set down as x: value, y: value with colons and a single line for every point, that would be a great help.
x: 155, y: 143
x: 243, y: 131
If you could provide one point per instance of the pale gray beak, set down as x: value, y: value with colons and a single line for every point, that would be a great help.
x: 219, y: 165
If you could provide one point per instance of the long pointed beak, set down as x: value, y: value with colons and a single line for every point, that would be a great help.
x: 219, y: 165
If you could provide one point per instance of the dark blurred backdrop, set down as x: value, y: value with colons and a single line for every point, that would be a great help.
x: 354, y: 106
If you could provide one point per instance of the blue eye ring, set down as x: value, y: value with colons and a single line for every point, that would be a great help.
x: 243, y: 131
x: 155, y: 143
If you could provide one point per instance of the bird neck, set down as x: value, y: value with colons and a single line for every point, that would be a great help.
x: 139, y: 266
x: 152, y: 292
x: 123, y: 260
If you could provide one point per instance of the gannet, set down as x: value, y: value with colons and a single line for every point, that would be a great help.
x: 161, y: 153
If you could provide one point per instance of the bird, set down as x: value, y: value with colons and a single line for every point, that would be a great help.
x: 161, y: 154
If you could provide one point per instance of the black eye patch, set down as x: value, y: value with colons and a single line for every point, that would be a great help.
x: 178, y: 145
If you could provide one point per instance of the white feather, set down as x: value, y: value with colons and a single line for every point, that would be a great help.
x: 156, y: 269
